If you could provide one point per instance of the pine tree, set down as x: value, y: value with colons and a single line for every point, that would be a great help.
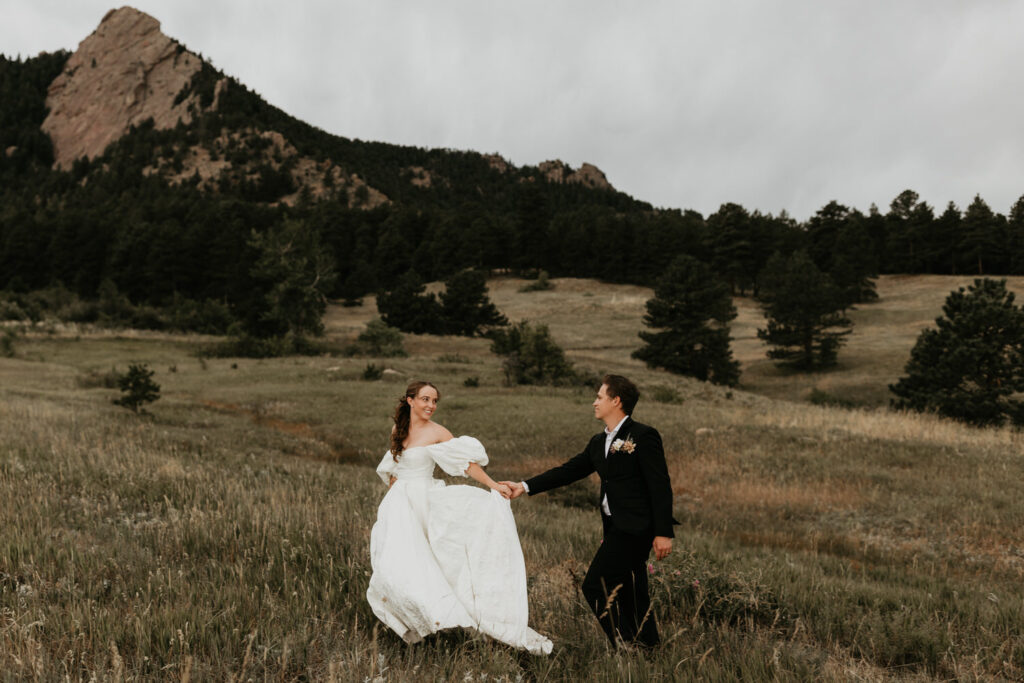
x: 854, y: 266
x: 1015, y: 233
x: 137, y: 387
x: 465, y: 306
x: 732, y: 253
x: 971, y: 364
x: 295, y: 273
x: 409, y: 308
x: 689, y: 317
x: 802, y: 306
x: 357, y: 283
x: 982, y: 242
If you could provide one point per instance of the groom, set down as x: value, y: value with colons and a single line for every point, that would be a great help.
x: 636, y: 509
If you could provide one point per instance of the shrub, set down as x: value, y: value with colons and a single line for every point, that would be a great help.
x: 823, y: 398
x: 205, y: 317
x: 7, y: 343
x: 378, y: 340
x: 372, y: 373
x: 94, y: 378
x: 248, y: 346
x: 471, y: 382
x: 531, y: 355
x: 10, y: 310
x: 137, y: 387
x: 663, y: 394
x: 542, y: 283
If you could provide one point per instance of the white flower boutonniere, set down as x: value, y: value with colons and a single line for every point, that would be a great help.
x: 627, y: 446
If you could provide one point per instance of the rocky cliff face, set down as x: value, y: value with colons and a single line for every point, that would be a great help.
x: 125, y: 72
x: 560, y: 172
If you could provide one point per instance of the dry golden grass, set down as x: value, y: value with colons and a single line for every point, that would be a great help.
x: 225, y: 535
x: 876, y: 351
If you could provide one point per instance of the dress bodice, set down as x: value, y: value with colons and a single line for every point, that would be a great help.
x: 453, y: 456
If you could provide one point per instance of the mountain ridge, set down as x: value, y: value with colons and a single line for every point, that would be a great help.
x: 127, y: 71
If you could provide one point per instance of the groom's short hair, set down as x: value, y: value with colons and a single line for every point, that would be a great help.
x: 621, y: 388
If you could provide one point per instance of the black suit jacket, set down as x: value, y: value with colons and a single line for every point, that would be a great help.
x: 637, y: 483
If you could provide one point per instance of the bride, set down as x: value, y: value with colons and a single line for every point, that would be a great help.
x: 445, y: 556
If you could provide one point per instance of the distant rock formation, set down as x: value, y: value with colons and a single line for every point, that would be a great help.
x: 560, y: 172
x: 320, y: 179
x: 421, y: 177
x: 125, y: 72
x: 497, y: 162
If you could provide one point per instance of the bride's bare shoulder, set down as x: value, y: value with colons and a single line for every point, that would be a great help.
x: 439, y: 434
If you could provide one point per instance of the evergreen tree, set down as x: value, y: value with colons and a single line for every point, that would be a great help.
x: 465, y: 306
x: 823, y: 231
x: 907, y: 224
x: 409, y: 308
x: 137, y: 387
x: 971, y: 365
x: 1015, y: 235
x: 853, y: 264
x: 357, y: 283
x: 732, y: 254
x: 802, y: 306
x: 689, y: 317
x: 947, y: 241
x: 982, y: 237
x: 294, y: 273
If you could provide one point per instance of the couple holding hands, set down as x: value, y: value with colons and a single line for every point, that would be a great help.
x: 449, y: 556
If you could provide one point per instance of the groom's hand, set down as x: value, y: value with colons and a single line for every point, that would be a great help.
x: 517, y: 488
x: 662, y: 546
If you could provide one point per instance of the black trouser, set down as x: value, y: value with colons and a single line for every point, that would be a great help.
x: 615, y: 587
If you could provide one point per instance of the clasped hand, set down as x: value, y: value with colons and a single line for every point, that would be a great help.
x: 516, y: 489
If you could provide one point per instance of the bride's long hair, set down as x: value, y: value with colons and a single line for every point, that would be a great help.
x: 402, y: 416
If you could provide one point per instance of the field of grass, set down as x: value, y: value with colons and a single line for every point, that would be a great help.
x: 225, y: 534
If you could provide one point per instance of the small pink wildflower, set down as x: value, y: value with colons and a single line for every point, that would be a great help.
x: 650, y: 568
x: 696, y: 583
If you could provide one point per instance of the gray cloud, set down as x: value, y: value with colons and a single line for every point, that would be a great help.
x: 774, y: 105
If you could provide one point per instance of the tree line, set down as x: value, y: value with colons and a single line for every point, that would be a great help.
x: 234, y: 258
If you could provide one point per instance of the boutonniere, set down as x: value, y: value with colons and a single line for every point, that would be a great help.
x: 626, y: 446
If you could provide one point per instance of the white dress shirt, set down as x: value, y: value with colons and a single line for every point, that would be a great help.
x: 608, y: 434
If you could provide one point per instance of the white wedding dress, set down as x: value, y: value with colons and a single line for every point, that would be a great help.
x: 447, y: 556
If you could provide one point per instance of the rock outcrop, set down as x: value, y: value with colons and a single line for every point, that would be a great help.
x: 209, y: 166
x: 125, y: 72
x: 560, y: 172
x: 497, y: 162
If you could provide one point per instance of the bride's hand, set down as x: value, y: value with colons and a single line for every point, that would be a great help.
x: 504, y: 490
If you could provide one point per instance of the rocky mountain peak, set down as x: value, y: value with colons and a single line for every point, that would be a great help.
x: 125, y: 72
x: 558, y: 171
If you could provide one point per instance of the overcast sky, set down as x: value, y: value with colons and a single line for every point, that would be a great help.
x: 775, y: 105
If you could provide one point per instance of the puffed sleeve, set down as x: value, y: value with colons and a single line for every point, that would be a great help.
x: 386, y: 467
x: 453, y: 456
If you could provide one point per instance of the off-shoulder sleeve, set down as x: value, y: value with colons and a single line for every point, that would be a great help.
x: 454, y: 455
x: 386, y: 467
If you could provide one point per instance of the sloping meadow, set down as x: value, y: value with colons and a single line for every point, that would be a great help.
x: 225, y: 533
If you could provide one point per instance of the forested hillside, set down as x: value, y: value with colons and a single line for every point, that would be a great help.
x: 161, y: 226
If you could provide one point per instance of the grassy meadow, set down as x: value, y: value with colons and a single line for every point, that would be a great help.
x: 224, y: 535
